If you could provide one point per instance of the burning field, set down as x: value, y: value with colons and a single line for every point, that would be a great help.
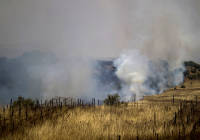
x: 171, y: 115
x: 174, y: 114
x: 99, y: 69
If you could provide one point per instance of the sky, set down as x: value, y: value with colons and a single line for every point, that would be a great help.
x: 49, y: 44
x: 91, y: 27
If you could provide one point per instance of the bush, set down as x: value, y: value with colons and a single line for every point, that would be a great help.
x: 183, y: 86
x: 112, y: 99
x: 21, y: 101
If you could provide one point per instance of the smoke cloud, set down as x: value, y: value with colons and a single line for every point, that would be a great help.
x: 143, y: 76
x: 150, y: 39
x: 155, y: 63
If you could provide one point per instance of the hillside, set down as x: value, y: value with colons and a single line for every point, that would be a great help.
x: 173, y: 114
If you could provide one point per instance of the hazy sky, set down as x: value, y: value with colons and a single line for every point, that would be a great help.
x: 77, y: 30
x: 97, y: 28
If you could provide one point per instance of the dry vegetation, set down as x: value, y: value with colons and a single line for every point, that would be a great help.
x: 175, y: 114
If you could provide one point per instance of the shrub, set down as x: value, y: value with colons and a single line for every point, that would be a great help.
x: 182, y: 86
x: 112, y: 99
x: 25, y: 102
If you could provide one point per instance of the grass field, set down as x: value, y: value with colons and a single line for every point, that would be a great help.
x: 174, y: 114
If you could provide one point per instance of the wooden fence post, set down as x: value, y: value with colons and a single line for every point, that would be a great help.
x: 41, y: 114
x: 137, y: 137
x: 59, y: 101
x: 11, y: 103
x: 13, y: 126
x: 175, y: 116
x: 157, y: 137
x: 119, y: 137
x: 154, y: 118
x: 60, y: 105
x: 26, y: 112
x: 196, y: 100
x: 19, y: 113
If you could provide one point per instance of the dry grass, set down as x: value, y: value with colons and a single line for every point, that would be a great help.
x: 155, y: 117
x: 105, y: 122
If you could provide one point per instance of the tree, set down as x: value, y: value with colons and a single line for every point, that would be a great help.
x: 112, y: 99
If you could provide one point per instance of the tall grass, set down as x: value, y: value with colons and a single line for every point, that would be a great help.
x: 174, y: 114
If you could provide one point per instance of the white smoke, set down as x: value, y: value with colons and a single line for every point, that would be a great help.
x: 161, y: 35
x: 141, y: 75
x: 157, y: 63
x: 132, y: 68
x: 67, y: 79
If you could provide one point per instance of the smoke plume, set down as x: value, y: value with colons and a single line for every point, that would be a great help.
x: 141, y: 76
x: 148, y: 40
x: 157, y: 65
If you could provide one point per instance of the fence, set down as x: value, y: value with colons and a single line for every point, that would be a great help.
x: 14, y: 116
